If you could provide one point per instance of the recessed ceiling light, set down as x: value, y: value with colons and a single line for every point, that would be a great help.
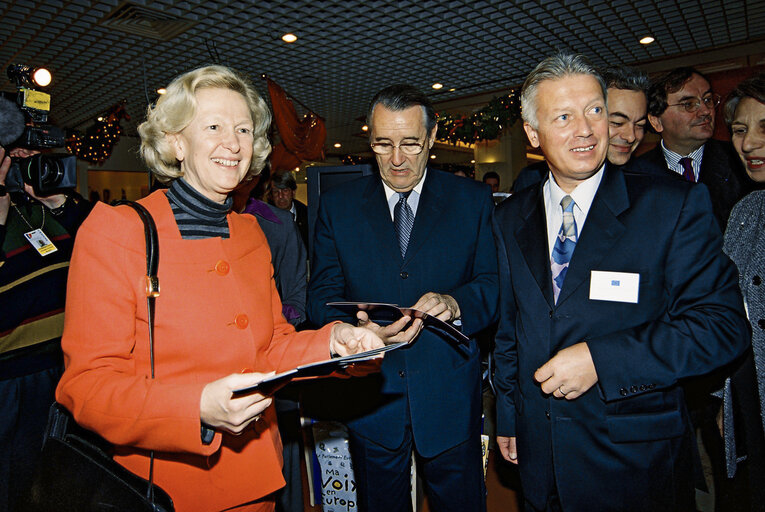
x: 338, y: 145
x: 437, y: 86
x: 161, y: 90
x: 432, y: 157
x: 647, y: 40
x: 452, y: 89
x: 472, y: 161
x: 289, y: 38
x: 364, y: 128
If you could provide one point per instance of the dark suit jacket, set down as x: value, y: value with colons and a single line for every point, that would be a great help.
x: 301, y: 219
x: 626, y: 443
x: 451, y: 251
x: 721, y: 172
x: 530, y: 176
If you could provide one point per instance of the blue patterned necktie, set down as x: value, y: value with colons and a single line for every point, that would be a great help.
x: 688, y: 173
x: 564, y: 246
x: 403, y: 220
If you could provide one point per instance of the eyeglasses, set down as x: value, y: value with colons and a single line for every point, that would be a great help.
x: 408, y: 148
x: 693, y: 104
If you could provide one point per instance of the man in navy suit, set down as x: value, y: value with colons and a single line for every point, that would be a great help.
x: 681, y: 107
x: 421, y: 237
x: 613, y: 288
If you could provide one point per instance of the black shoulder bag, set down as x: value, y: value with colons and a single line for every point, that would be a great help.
x: 77, y: 472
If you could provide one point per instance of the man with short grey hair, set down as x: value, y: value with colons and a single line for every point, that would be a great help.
x: 627, y: 118
x: 602, y: 313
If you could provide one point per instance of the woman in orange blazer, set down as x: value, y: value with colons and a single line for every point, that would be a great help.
x: 218, y: 322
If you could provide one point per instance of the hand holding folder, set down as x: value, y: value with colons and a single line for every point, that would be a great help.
x: 381, y: 312
x: 270, y: 385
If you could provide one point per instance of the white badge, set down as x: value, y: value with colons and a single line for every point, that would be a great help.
x: 40, y: 242
x: 614, y: 286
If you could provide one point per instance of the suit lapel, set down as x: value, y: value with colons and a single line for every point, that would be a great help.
x: 429, y: 210
x: 715, y: 170
x: 532, y: 241
x: 602, y: 229
x: 377, y: 215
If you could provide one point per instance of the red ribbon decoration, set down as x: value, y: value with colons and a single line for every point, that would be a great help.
x: 302, y: 138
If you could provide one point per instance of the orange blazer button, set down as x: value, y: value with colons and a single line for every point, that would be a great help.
x: 222, y: 267
x: 242, y: 321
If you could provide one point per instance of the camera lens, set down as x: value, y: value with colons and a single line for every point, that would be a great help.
x: 51, y: 173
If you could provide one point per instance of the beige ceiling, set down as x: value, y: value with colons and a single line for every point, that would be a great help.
x: 102, y: 52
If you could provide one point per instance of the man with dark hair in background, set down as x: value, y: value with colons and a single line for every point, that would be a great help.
x: 627, y: 111
x: 36, y: 239
x: 681, y: 108
x: 411, y: 236
x: 491, y: 178
x: 282, y: 196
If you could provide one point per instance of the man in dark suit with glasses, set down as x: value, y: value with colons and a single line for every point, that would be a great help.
x: 412, y: 236
x: 681, y: 107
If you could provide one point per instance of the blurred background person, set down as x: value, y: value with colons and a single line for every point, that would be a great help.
x: 288, y: 253
x: 491, y: 178
x: 282, y: 195
x: 744, y: 395
x: 219, y: 322
x: 32, y: 295
x: 288, y: 257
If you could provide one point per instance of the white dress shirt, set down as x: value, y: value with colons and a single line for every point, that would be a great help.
x: 673, y: 160
x: 413, y: 199
x: 582, y: 195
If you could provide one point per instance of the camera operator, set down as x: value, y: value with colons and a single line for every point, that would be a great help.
x: 36, y: 238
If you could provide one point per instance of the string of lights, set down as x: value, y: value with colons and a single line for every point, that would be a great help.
x: 96, y: 145
x: 485, y: 124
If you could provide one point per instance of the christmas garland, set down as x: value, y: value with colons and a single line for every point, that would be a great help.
x: 99, y: 140
x: 486, y: 124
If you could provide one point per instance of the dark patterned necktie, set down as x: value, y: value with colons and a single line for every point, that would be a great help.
x: 564, y: 246
x: 688, y: 173
x: 403, y: 220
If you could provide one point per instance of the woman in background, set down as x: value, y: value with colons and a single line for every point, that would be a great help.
x: 744, y: 396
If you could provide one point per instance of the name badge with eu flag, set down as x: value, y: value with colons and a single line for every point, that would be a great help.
x: 614, y: 286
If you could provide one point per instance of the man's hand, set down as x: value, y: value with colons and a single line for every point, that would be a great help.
x: 508, y: 448
x: 52, y: 201
x: 569, y: 374
x: 219, y: 410
x: 5, y: 201
x: 346, y: 340
x: 392, y: 333
x: 443, y: 307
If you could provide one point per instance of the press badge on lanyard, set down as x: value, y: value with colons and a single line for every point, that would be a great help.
x: 40, y: 242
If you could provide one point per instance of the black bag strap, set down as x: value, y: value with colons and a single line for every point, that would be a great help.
x: 152, y: 267
x: 152, y: 292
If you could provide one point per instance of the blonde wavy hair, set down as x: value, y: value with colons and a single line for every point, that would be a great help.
x: 176, y: 108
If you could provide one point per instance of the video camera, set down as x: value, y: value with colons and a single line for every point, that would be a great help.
x: 23, y: 124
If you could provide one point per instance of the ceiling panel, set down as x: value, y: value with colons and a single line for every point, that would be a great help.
x: 347, y: 50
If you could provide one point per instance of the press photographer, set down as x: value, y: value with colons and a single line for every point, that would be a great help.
x: 39, y: 216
